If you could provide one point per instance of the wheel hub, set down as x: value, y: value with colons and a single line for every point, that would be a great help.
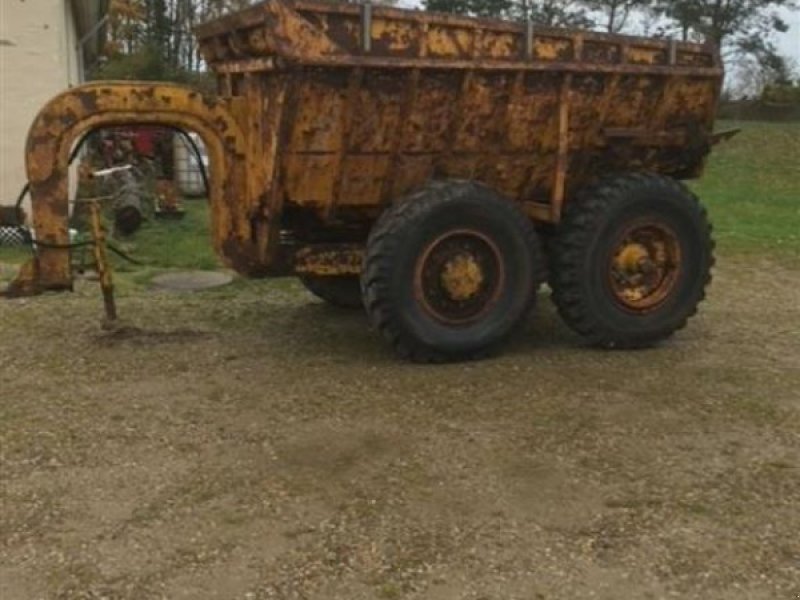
x: 462, y: 277
x: 644, y: 266
x: 459, y: 276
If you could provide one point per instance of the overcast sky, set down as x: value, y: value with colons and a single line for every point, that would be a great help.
x: 789, y: 42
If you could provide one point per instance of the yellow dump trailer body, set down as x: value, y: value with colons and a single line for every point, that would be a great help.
x: 376, y: 101
x: 416, y: 164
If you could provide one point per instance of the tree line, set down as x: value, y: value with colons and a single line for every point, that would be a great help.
x: 153, y: 40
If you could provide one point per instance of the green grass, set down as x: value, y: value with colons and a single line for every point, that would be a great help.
x: 178, y: 244
x: 164, y: 244
x: 14, y: 256
x: 159, y: 245
x: 752, y: 190
x: 9, y: 258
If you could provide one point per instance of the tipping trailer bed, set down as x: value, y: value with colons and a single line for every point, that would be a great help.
x: 339, y: 127
x: 382, y: 100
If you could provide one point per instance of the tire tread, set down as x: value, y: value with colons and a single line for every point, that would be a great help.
x: 384, y: 241
x: 581, y: 219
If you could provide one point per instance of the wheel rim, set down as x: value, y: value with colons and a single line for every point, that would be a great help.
x: 459, y: 276
x: 645, y: 266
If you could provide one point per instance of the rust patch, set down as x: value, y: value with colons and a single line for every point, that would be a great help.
x: 88, y: 101
x: 329, y: 259
x: 595, y: 52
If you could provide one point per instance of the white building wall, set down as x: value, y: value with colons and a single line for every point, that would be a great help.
x: 38, y: 59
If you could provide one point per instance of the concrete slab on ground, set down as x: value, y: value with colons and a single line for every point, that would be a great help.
x: 190, y: 281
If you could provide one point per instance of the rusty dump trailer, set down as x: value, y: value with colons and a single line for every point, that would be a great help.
x: 433, y: 168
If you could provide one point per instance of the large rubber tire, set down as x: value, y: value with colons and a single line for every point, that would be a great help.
x: 400, y: 281
x: 584, y: 277
x: 340, y: 291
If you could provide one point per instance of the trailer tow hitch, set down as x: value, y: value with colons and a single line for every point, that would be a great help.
x: 100, y: 249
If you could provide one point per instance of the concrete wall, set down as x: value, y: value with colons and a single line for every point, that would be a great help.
x: 38, y: 59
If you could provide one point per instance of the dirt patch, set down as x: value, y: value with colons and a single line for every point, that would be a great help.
x: 119, y: 333
x: 249, y: 442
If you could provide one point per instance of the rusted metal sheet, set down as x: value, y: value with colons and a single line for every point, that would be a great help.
x: 446, y: 96
x: 330, y: 259
x: 329, y: 112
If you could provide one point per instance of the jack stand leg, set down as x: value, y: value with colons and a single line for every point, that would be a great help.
x: 103, y: 266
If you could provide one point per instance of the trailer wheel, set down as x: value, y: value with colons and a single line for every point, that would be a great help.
x: 450, y: 271
x: 631, y: 260
x: 341, y: 291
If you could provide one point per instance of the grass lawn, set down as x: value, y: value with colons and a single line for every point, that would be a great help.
x: 167, y: 244
x: 159, y: 245
x: 180, y: 244
x: 751, y: 188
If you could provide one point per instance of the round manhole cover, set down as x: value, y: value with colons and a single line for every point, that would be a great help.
x: 190, y: 281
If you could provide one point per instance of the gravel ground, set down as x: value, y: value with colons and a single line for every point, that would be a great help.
x: 251, y: 442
